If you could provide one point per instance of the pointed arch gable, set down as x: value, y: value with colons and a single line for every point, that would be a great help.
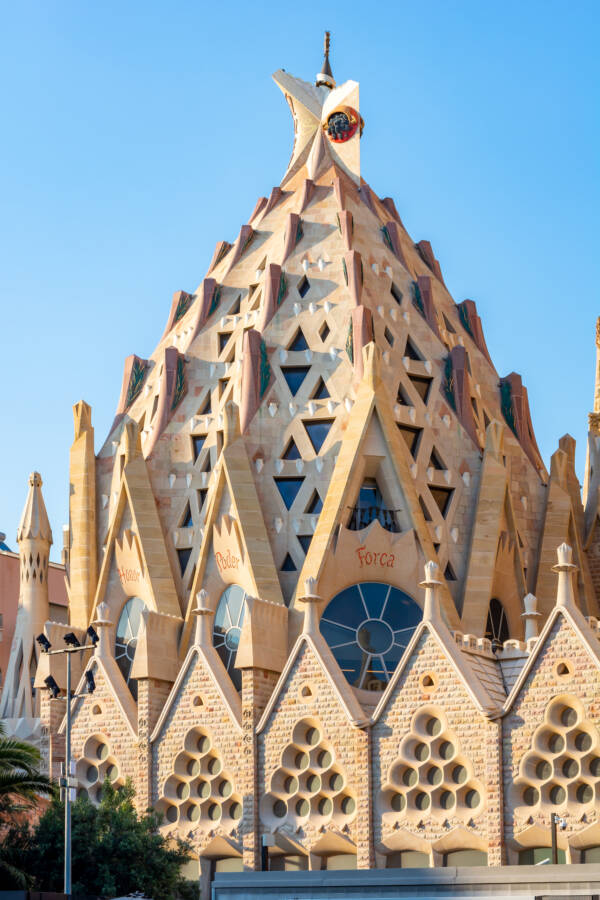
x: 110, y: 684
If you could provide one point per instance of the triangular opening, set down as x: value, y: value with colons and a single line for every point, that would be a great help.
x: 318, y: 430
x: 411, y: 351
x: 154, y: 407
x: 315, y: 504
x: 223, y: 340
x: 198, y: 443
x: 320, y: 392
x: 424, y: 510
x: 206, y: 466
x: 435, y: 461
x: 207, y: 408
x: 412, y: 437
x: 402, y: 397
x: 442, y: 497
x: 305, y: 540
x: 187, y: 521
x: 184, y: 558
x: 291, y: 451
x: 235, y: 309
x: 389, y: 337
x: 396, y: 293
x: 202, y: 494
x: 288, y: 488
x: 448, y: 324
x: 422, y: 385
x: 449, y: 573
x: 299, y: 341
x: 288, y: 564
x: 303, y: 286
x: 294, y: 376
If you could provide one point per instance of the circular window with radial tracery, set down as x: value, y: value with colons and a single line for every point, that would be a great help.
x: 128, y: 628
x: 227, y: 629
x: 368, y: 627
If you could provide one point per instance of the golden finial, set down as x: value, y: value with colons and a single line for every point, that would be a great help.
x: 325, y: 76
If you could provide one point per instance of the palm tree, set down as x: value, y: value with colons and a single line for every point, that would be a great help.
x: 20, y: 778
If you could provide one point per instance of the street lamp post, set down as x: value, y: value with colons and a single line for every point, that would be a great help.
x: 67, y: 781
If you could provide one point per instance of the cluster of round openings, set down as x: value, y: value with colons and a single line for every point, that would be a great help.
x: 95, y: 766
x: 564, y: 762
x: 308, y: 783
x: 198, y: 788
x: 430, y: 773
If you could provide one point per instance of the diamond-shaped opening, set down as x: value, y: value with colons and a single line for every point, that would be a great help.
x: 299, y: 341
x: 324, y: 332
x: 442, y: 497
x: 198, y: 443
x: 202, y: 495
x: 305, y: 540
x: 320, y: 392
x: 186, y: 520
x: 318, y: 430
x: 435, y: 461
x: 424, y: 510
x: 288, y: 564
x: 411, y: 436
x: 223, y: 340
x: 449, y: 573
x: 184, y: 558
x: 291, y: 451
x: 315, y: 504
x: 288, y: 488
x: 389, y: 337
x: 154, y: 407
x: 402, y: 397
x: 303, y: 286
x: 411, y: 351
x: 396, y: 293
x: 294, y: 376
x: 422, y: 385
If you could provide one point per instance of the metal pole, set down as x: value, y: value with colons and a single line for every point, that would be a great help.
x: 553, y: 821
x: 68, y: 788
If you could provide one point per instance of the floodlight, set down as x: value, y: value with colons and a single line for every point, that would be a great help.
x: 71, y: 640
x: 43, y: 641
x: 91, y: 684
x: 52, y: 686
x: 93, y: 635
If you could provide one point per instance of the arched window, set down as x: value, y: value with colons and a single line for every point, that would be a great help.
x: 466, y: 858
x: 496, y: 628
x: 128, y: 628
x: 227, y: 629
x: 368, y: 627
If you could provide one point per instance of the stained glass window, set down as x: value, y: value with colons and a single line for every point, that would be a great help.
x: 227, y: 629
x: 368, y: 627
x: 128, y: 628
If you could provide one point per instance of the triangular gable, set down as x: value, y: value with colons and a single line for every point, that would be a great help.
x: 575, y: 619
x: 316, y: 644
x: 135, y: 493
x: 213, y: 667
x: 372, y: 400
x: 105, y: 669
x: 459, y: 661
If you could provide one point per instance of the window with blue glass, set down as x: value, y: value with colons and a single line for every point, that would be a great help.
x: 227, y: 629
x: 368, y: 627
x: 126, y: 639
x: 370, y: 506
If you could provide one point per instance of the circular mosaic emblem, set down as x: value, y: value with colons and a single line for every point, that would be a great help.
x: 342, y: 124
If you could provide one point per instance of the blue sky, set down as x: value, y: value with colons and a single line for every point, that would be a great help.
x: 135, y: 135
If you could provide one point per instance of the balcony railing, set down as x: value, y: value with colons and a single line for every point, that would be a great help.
x: 361, y: 516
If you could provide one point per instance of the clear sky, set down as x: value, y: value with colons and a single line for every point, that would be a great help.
x: 134, y: 136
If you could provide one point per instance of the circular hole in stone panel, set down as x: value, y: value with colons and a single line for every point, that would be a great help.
x: 91, y: 774
x: 112, y: 772
x: 171, y: 814
x: 203, y: 789
x: 348, y: 805
x: 336, y: 781
x: 583, y: 741
x: 192, y: 812
x: 472, y: 798
x: 290, y: 784
x: 530, y: 796
x: 301, y: 761
x: 459, y: 774
x: 302, y: 807
x: 421, y: 751
x: 214, y: 765
x: 422, y: 800
x: 568, y: 716
x: 280, y: 809
x: 434, y: 775
x: 324, y: 759
x: 312, y: 737
x: 446, y: 750
x: 193, y: 767
x: 214, y: 812
x: 398, y: 802
x: 556, y: 743
x: 570, y: 768
x: 182, y: 790
x: 235, y: 810
x: 447, y: 799
x: 409, y: 777
x: 594, y: 765
x: 433, y: 726
x: 203, y: 744
x: 557, y: 794
x: 313, y: 784
x: 543, y: 770
x: 102, y: 751
x: 584, y: 793
x: 225, y: 788
x: 96, y: 796
x: 325, y: 806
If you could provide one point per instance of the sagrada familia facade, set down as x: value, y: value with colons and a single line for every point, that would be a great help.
x: 344, y: 611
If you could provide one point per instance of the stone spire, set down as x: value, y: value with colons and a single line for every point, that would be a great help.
x: 82, y: 551
x: 325, y: 77
x: 34, y: 522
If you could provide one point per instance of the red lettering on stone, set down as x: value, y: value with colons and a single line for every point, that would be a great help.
x: 374, y: 558
x: 226, y: 560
